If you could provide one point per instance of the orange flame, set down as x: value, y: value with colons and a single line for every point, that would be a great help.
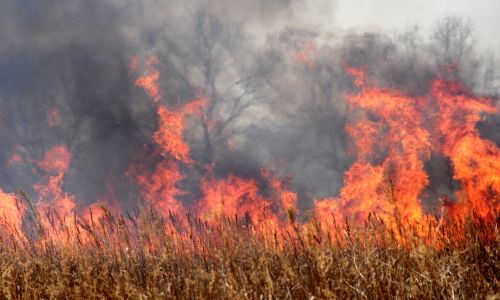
x: 233, y: 196
x: 159, y: 187
x: 11, y: 214
x: 476, y: 162
x: 287, y: 197
x: 169, y: 135
x: 393, y: 186
x: 393, y: 124
x: 55, y: 164
x: 149, y: 82
x: 392, y: 134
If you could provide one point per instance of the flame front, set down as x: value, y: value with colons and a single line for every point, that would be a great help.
x: 396, y: 125
x: 53, y: 201
x: 476, y: 162
x: 393, y: 136
x: 392, y: 187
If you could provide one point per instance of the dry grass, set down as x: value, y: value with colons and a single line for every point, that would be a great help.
x: 145, y: 256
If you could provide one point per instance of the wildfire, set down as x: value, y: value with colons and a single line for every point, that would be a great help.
x: 392, y: 133
x: 393, y: 123
x: 392, y: 187
x: 287, y: 197
x: 11, y: 214
x: 305, y: 54
x: 231, y: 197
x: 169, y: 135
x: 53, y: 200
x: 149, y: 82
x: 476, y: 162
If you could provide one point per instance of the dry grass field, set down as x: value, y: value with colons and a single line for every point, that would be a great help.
x: 145, y: 256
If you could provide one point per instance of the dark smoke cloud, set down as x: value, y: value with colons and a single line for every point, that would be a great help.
x: 74, y: 55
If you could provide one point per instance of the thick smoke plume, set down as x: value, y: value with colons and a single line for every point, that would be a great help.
x: 276, y: 84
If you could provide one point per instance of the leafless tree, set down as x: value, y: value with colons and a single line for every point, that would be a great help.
x: 454, y: 42
x: 219, y: 63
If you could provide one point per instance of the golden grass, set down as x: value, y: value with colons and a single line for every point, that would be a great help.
x: 145, y: 256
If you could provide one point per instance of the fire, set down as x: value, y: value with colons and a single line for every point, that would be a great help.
x: 233, y: 196
x: 389, y: 122
x: 226, y: 197
x: 280, y: 186
x: 53, y: 200
x: 393, y: 135
x: 159, y: 187
x: 11, y: 213
x: 305, y: 54
x: 149, y: 82
x: 475, y: 161
x: 133, y: 64
x: 169, y: 135
x: 396, y: 126
x: 107, y: 203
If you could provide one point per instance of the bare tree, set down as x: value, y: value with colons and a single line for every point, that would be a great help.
x: 218, y: 62
x: 454, y: 42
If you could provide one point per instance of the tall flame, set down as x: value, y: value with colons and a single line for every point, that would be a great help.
x: 476, y: 162
x: 169, y: 135
x: 11, y: 213
x: 390, y: 123
x: 160, y: 187
x: 393, y: 136
x: 52, y: 198
x: 394, y: 139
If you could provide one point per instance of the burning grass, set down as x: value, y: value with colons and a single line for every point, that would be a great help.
x: 234, y: 242
x: 144, y: 255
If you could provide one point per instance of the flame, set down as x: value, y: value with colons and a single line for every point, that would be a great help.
x: 11, y: 213
x: 390, y: 123
x: 108, y: 202
x: 393, y: 135
x: 149, y: 81
x: 133, y: 64
x: 169, y: 135
x: 51, y: 196
x: 394, y: 124
x: 287, y: 197
x: 159, y: 187
x: 475, y: 161
x: 233, y: 196
x: 225, y: 197
x: 305, y: 54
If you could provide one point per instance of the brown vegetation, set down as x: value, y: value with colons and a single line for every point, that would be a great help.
x: 143, y: 256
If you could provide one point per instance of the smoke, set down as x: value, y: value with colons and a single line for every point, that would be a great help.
x: 275, y: 79
x: 71, y: 57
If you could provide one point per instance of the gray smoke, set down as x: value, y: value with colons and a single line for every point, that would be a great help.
x: 272, y: 104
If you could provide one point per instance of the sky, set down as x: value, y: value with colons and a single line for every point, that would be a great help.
x: 396, y: 14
